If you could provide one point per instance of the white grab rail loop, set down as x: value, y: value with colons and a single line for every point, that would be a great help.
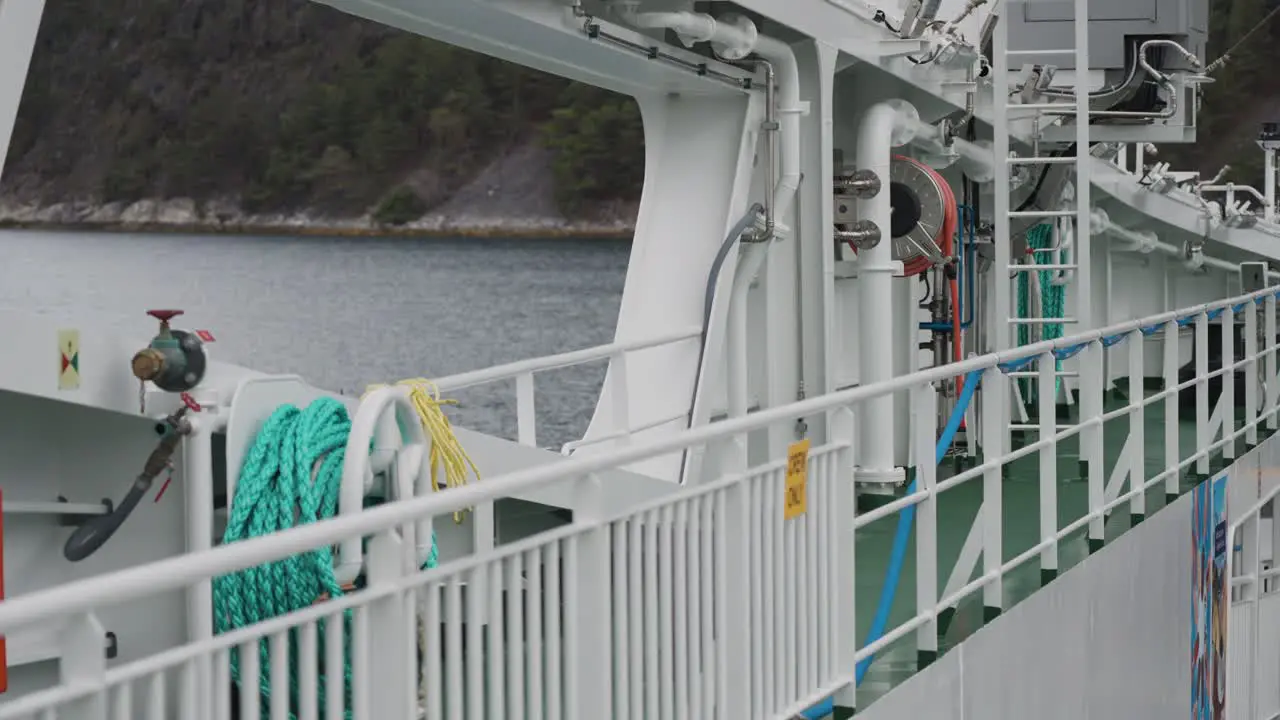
x: 386, y: 437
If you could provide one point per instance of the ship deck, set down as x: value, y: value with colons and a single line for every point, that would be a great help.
x: 958, y: 507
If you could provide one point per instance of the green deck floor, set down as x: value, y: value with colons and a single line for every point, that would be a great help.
x: 1021, y: 502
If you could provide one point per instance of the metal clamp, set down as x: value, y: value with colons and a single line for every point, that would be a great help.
x: 862, y: 235
x: 862, y: 184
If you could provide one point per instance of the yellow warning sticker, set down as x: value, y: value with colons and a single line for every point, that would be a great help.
x: 796, y: 501
x: 68, y: 359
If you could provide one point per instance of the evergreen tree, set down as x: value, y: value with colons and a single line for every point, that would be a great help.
x: 288, y: 105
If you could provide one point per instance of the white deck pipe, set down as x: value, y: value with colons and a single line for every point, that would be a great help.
x: 876, y: 269
x: 733, y: 36
x: 787, y: 76
x: 1145, y: 242
x: 976, y: 160
x: 1269, y: 202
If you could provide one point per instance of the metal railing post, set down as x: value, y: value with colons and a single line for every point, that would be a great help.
x: 526, y: 410
x: 588, y: 609
x: 1092, y: 389
x: 845, y: 586
x: 925, y: 420
x: 1137, y: 434
x: 1251, y: 373
x: 995, y: 420
x: 1228, y: 399
x: 82, y: 662
x: 1045, y: 391
x: 1269, y: 365
x: 1202, y: 392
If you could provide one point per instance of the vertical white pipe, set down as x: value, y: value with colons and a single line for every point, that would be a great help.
x: 1083, y: 187
x: 1002, y: 298
x: 1269, y: 212
x: 736, y: 349
x: 875, y: 298
x: 787, y: 75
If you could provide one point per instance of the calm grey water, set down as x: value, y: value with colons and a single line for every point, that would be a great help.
x: 344, y: 313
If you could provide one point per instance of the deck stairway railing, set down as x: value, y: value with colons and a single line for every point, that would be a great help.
x: 724, y: 599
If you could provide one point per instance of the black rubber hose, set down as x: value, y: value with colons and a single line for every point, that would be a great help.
x: 708, y: 299
x: 95, y: 532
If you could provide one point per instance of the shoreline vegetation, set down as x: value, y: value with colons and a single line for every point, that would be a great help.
x: 488, y: 232
x: 184, y: 217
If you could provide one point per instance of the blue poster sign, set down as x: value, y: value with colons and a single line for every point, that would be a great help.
x: 1221, y: 598
x: 1209, y: 544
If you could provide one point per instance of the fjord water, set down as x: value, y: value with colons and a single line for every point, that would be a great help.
x: 346, y: 312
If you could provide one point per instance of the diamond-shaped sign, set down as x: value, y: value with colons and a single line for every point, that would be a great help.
x: 68, y: 359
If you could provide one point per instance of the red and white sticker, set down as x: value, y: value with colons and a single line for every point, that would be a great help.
x: 205, y: 336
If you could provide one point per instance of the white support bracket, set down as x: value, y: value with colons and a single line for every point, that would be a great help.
x: 19, y: 25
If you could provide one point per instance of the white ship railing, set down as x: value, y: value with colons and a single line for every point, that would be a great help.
x: 706, y: 603
x: 523, y: 372
x: 1253, y: 620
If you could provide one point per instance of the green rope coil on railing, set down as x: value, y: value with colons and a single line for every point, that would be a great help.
x: 276, y: 492
x: 1052, y: 299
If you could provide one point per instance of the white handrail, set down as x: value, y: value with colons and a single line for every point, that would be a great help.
x: 174, y: 573
x: 561, y: 360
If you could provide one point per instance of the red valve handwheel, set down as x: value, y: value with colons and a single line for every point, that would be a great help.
x: 164, y: 315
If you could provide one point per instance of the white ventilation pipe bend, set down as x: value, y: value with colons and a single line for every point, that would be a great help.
x: 733, y: 36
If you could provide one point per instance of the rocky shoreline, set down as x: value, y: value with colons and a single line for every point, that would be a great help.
x: 185, y: 216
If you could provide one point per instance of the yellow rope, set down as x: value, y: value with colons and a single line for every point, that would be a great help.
x: 446, y: 452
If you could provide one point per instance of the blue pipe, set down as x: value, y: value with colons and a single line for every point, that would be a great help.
x: 898, y: 555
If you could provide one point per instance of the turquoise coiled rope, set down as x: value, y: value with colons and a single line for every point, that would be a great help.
x: 1052, y: 300
x: 275, y: 492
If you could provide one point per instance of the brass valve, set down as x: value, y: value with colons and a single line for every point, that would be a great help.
x: 147, y: 364
x: 174, y: 360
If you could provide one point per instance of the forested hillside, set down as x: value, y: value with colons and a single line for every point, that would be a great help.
x: 1246, y: 92
x: 286, y: 105
x: 289, y: 104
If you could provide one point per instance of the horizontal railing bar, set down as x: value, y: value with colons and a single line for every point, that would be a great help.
x: 1036, y: 373
x: 1255, y: 508
x: 177, y: 656
x: 1042, y: 320
x: 498, y: 373
x: 1060, y: 51
x: 1079, y: 524
x: 1042, y: 160
x: 178, y: 572
x: 954, y: 598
